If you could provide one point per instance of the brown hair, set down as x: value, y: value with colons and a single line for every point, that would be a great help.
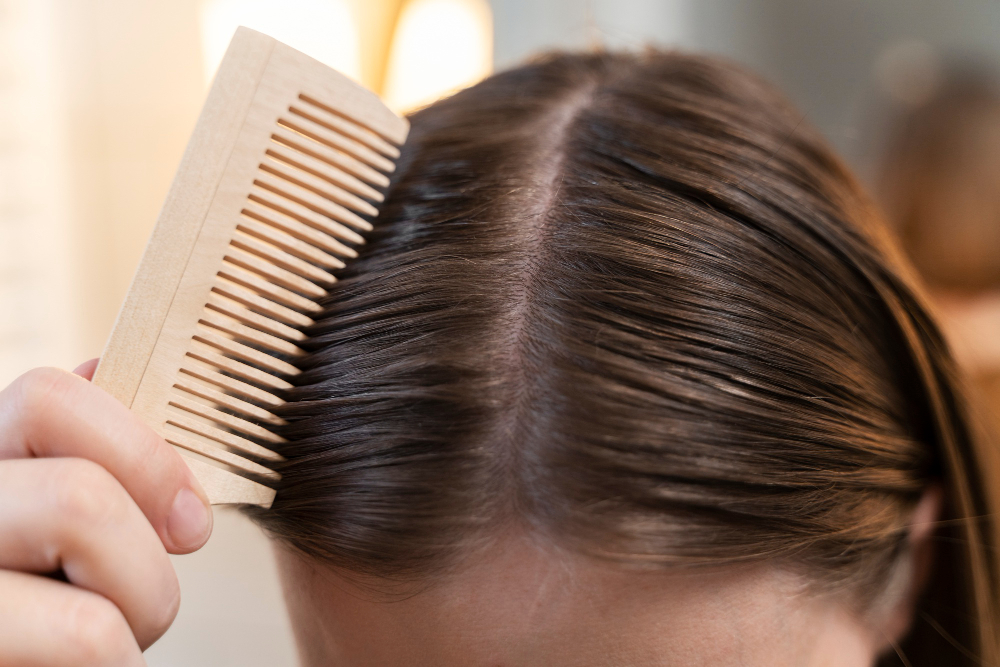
x: 631, y: 303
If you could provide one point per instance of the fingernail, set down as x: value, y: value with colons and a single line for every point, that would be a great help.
x: 190, y: 521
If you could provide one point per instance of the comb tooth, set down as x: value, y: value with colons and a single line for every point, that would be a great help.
x: 317, y: 112
x: 280, y: 258
x: 310, y: 208
x: 243, y: 332
x: 239, y: 369
x: 261, y: 305
x: 273, y: 292
x: 272, y: 215
x: 228, y: 420
x: 238, y: 312
x: 274, y: 273
x: 218, y: 454
x: 206, y: 373
x: 304, y: 144
x: 303, y: 125
x: 224, y: 437
x: 255, y: 223
x: 240, y: 351
x: 229, y: 402
x: 323, y: 170
x: 394, y: 138
x: 319, y: 186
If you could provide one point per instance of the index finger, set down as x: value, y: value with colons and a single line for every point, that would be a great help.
x: 52, y: 413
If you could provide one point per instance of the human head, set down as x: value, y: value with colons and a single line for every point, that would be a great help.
x: 629, y: 307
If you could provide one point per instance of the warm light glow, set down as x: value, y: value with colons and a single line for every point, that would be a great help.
x: 38, y: 319
x: 323, y: 29
x: 439, y: 47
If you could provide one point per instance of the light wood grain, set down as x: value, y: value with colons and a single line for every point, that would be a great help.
x: 277, y: 181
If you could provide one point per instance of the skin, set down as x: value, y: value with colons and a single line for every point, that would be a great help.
x: 89, y: 491
x: 527, y: 604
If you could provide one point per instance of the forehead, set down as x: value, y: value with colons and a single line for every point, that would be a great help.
x: 519, y: 603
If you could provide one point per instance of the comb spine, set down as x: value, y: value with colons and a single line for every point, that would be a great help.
x: 144, y: 312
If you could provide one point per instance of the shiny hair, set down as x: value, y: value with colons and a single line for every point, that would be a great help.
x: 634, y: 305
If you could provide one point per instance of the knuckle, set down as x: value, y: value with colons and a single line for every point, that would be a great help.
x: 35, y: 394
x: 97, y: 631
x: 84, y: 493
x: 39, y: 388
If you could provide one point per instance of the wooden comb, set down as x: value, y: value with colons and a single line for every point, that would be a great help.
x: 283, y: 171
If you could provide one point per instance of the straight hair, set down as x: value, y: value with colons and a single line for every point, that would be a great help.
x: 633, y: 304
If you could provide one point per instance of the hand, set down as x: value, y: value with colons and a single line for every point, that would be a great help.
x: 91, y: 494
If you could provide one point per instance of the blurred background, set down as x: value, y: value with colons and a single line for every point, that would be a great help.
x: 97, y: 98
